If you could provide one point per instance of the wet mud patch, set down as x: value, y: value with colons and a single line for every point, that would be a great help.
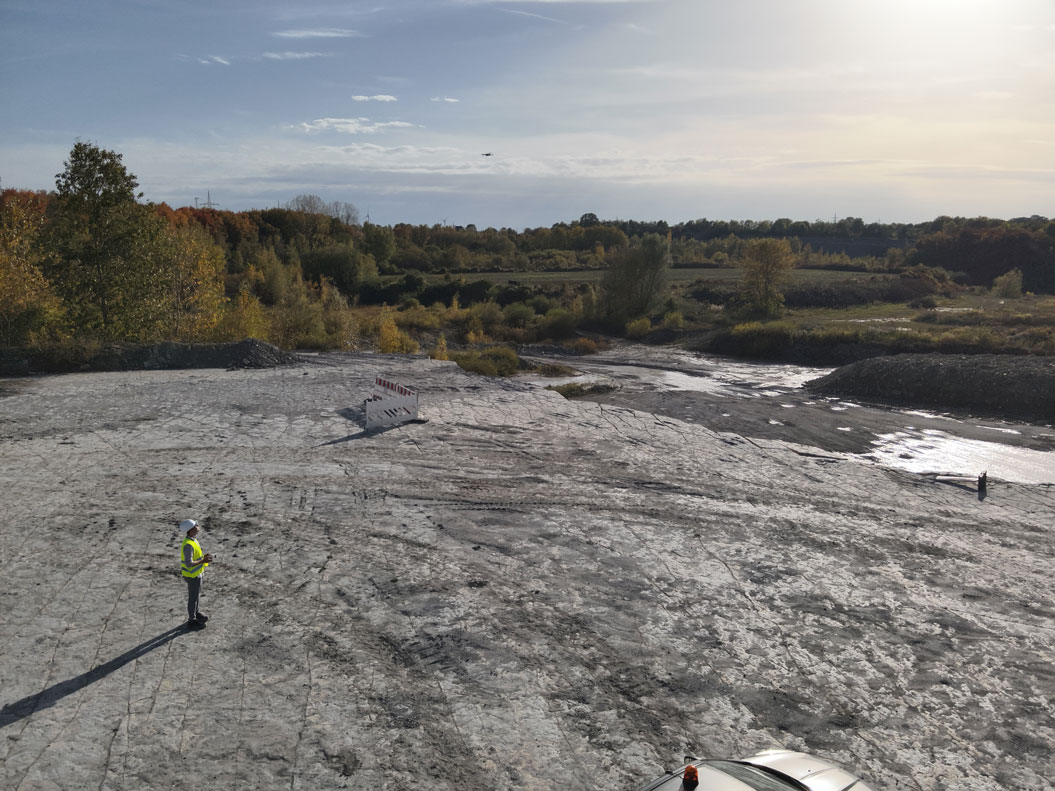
x: 344, y: 762
x: 763, y: 574
x: 782, y: 710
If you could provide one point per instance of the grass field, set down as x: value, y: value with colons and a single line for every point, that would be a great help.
x: 677, y: 276
x: 969, y: 321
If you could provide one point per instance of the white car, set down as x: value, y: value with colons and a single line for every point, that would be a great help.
x: 769, y: 770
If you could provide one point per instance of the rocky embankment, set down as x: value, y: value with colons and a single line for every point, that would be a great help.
x: 1003, y: 385
x: 250, y: 353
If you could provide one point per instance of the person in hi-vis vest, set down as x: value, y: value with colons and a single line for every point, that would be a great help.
x: 192, y: 566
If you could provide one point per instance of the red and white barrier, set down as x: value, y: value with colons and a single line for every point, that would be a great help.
x: 390, y: 404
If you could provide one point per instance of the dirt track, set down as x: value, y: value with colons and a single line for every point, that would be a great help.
x: 524, y: 592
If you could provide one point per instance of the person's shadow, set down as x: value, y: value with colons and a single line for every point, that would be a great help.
x: 20, y: 709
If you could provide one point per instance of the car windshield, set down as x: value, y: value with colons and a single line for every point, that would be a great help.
x: 758, y: 779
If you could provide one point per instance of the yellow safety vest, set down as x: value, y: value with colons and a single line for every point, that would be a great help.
x: 196, y: 555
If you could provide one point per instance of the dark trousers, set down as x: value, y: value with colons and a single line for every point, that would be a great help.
x: 193, y: 594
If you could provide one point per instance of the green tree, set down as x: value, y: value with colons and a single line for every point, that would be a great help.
x: 379, y: 241
x: 636, y: 279
x: 105, y: 250
x: 391, y: 339
x: 439, y: 351
x: 1009, y: 284
x: 274, y: 276
x: 518, y: 314
x: 766, y: 263
x: 342, y: 330
x: 194, y: 272
x: 297, y: 321
x: 348, y: 268
x: 243, y: 318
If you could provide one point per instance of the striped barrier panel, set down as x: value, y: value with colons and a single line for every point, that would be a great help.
x: 390, y: 404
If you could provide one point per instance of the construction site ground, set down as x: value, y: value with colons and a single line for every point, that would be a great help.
x: 523, y: 592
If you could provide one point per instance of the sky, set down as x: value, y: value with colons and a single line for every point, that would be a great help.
x: 888, y: 110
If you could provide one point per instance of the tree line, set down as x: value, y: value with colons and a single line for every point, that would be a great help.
x: 90, y: 259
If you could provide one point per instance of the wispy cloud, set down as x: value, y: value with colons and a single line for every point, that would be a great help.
x: 328, y: 32
x: 214, y: 59
x: 350, y: 126
x: 381, y: 97
x: 295, y: 55
x: 639, y: 29
x: 444, y: 99
x: 536, y: 16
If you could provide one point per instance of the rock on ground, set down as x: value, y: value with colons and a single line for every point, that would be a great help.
x: 998, y: 384
x: 523, y: 592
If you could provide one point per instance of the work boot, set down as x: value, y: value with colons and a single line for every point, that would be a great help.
x: 202, y: 617
x: 195, y: 626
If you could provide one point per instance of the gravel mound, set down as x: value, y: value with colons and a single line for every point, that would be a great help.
x: 250, y: 353
x: 1003, y: 385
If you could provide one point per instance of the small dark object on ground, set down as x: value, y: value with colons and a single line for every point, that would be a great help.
x: 555, y: 369
x: 578, y: 389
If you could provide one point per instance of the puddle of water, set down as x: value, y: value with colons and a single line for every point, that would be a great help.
x: 546, y: 381
x: 721, y: 376
x: 937, y: 451
x: 705, y: 383
x: 921, y: 413
x: 1002, y: 430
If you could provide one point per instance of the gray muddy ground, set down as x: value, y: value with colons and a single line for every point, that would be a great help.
x: 523, y: 592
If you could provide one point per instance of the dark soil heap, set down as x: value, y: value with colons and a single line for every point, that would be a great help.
x: 1002, y: 385
x: 250, y: 353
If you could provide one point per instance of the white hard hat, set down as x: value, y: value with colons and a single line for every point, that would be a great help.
x: 187, y: 524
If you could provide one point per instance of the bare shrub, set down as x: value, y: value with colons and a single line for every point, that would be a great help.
x: 582, y: 346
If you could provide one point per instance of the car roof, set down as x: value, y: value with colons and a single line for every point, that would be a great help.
x: 711, y: 779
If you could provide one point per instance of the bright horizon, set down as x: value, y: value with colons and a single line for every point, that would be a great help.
x: 893, y: 111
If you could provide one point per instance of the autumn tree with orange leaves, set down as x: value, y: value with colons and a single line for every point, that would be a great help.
x: 29, y: 309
